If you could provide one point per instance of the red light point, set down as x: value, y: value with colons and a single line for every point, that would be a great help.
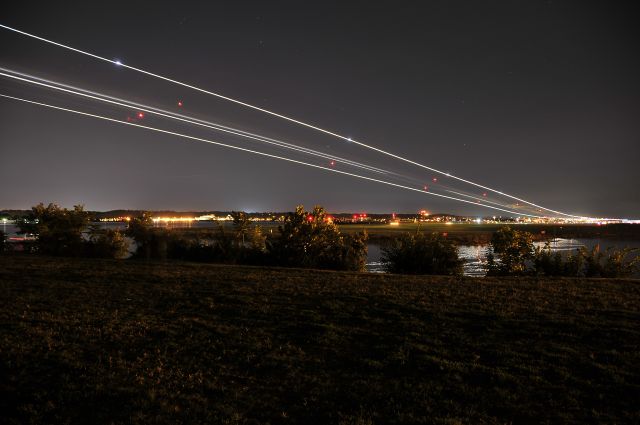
x: 426, y: 187
x: 435, y: 179
x: 180, y: 103
x: 140, y: 115
x: 332, y: 163
x: 484, y: 194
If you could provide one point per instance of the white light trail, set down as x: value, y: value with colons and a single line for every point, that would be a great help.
x: 295, y: 161
x: 284, y: 117
x: 126, y: 103
x: 474, y: 197
x: 179, y: 117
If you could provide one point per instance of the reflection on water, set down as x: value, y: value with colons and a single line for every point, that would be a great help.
x: 475, y: 256
x: 374, y: 255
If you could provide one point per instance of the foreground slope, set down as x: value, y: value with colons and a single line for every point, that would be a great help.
x: 117, y: 341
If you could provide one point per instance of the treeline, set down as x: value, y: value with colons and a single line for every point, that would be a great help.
x: 308, y: 239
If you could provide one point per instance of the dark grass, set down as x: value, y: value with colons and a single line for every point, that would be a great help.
x: 480, y: 233
x: 92, y: 341
x: 464, y: 233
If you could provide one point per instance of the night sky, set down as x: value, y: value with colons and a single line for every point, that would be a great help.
x: 539, y: 98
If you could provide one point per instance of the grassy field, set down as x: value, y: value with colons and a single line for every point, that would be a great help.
x: 93, y: 341
x: 465, y: 233
x: 481, y: 233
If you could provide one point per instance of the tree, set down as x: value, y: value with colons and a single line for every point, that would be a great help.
x: 58, y: 230
x: 417, y: 253
x: 241, y: 224
x: 141, y: 230
x: 514, y: 248
x: 257, y: 239
x: 310, y: 239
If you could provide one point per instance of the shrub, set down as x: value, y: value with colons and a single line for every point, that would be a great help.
x: 106, y: 243
x: 585, y: 262
x: 417, y: 253
x: 514, y: 248
x: 548, y: 263
x: 220, y: 247
x: 310, y: 239
x: 608, y: 263
x: 151, y: 242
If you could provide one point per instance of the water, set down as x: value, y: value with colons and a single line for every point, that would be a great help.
x: 475, y: 256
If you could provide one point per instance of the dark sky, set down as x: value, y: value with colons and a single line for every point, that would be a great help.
x: 537, y: 98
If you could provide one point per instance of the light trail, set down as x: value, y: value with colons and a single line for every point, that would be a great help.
x: 179, y: 117
x: 284, y: 117
x: 295, y: 161
x: 473, y: 197
x: 149, y: 109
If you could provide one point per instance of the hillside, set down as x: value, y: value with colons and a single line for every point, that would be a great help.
x: 102, y: 341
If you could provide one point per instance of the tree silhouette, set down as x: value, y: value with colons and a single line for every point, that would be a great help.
x: 58, y: 230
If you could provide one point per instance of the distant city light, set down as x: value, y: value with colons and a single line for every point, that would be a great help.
x: 172, y: 219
